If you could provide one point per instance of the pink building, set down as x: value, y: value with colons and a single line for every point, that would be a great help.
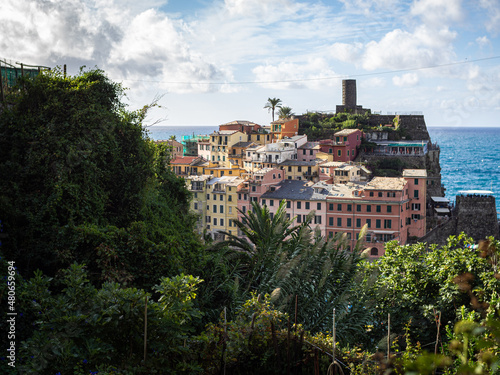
x: 253, y: 188
x: 344, y: 146
x: 301, y: 197
x: 384, y: 205
x: 308, y: 151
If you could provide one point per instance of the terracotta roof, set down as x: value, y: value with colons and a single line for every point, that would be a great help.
x: 346, y: 131
x: 386, y: 183
x: 184, y: 159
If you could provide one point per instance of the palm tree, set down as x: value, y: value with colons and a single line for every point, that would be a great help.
x: 297, y: 262
x: 285, y: 112
x: 272, y: 104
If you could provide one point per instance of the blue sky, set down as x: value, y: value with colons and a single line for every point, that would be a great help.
x: 212, y: 62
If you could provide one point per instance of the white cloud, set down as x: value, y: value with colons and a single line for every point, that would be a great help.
x: 438, y: 13
x: 402, y: 50
x: 375, y: 82
x: 346, y: 52
x: 310, y: 75
x: 261, y: 8
x: 483, y: 41
x: 408, y: 79
x: 492, y: 8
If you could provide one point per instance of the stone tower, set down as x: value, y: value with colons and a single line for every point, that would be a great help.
x: 349, y: 98
x: 349, y: 93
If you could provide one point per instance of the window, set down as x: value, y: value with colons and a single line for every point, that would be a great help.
x: 244, y: 209
x: 330, y: 234
x: 415, y: 194
x: 339, y: 153
x: 221, y: 222
x: 299, y: 169
x: 310, y: 152
x: 317, y: 219
x: 369, y: 223
x: 391, y: 194
x: 221, y: 197
x: 289, y: 168
x: 415, y: 206
x: 263, y: 201
x: 347, y: 152
x: 408, y: 221
x: 349, y: 222
x: 274, y: 176
x: 215, y: 221
x: 271, y: 202
x: 378, y: 223
x: 230, y: 211
x: 415, y: 216
x: 358, y: 223
x: 387, y: 224
x: 330, y: 221
x: 208, y: 197
x: 288, y: 204
x: 229, y: 197
x: 318, y: 205
x: 379, y: 208
x: 380, y: 194
x: 215, y: 208
x: 214, y: 197
x: 416, y: 181
x: 349, y: 207
x: 330, y: 206
x: 339, y: 221
x: 373, y: 251
x: 358, y: 208
x: 195, y: 206
x: 308, y: 206
x: 368, y: 208
x: 299, y: 219
x: 371, y: 193
x: 389, y: 209
x: 339, y: 207
x: 254, y: 188
x: 330, y: 150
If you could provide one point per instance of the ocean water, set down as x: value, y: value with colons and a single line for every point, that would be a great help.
x: 470, y: 159
x: 164, y: 132
x: 470, y: 156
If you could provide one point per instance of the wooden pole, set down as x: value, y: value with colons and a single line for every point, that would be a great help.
x: 333, y: 338
x: 388, y: 336
x: 145, y: 328
x: 296, y: 303
x: 64, y: 70
x: 2, y: 96
x: 225, y: 335
x: 437, y: 336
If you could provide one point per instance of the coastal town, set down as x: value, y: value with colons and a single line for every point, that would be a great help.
x: 243, y: 162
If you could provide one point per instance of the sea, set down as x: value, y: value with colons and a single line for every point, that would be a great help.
x: 470, y: 156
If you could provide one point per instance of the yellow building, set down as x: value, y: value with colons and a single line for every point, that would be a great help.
x: 220, y: 143
x: 231, y: 170
x: 197, y: 185
x: 301, y: 170
x: 221, y: 205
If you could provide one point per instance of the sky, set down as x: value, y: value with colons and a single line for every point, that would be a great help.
x: 209, y: 62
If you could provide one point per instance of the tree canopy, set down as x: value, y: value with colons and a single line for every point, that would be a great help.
x: 86, y: 184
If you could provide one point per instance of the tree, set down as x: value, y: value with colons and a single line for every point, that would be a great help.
x: 414, y: 283
x: 296, y: 263
x: 272, y: 104
x: 285, y: 112
x: 84, y: 183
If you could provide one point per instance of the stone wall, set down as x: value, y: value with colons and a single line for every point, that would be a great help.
x: 413, y: 126
x: 476, y: 216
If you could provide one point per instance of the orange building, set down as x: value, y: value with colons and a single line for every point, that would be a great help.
x: 284, y: 128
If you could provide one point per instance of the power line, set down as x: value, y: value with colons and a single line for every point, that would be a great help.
x: 319, y: 78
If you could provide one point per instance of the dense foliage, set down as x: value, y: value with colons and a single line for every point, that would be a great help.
x: 111, y: 279
x: 85, y: 184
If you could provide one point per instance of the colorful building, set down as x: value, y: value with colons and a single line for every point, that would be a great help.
x: 302, y: 197
x: 344, y: 146
x: 283, y: 128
